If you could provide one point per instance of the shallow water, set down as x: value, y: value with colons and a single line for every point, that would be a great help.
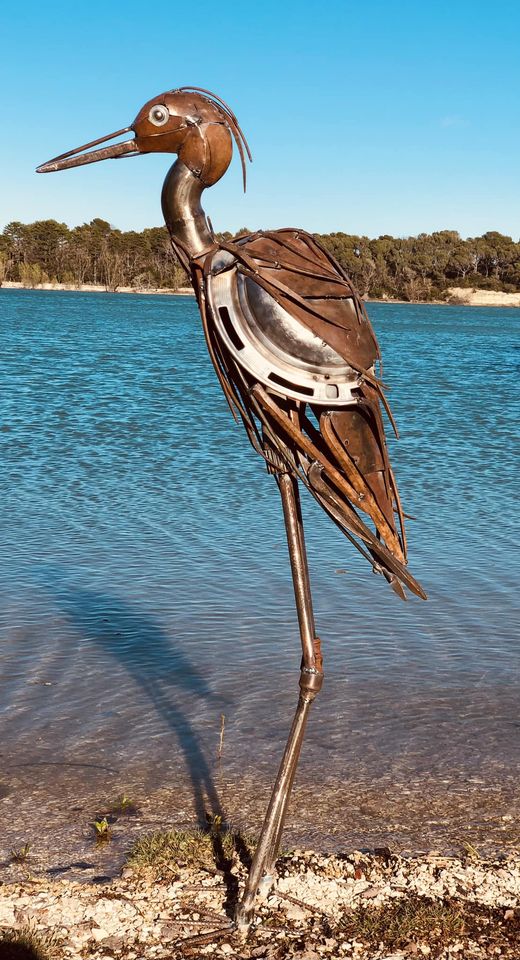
x: 145, y: 589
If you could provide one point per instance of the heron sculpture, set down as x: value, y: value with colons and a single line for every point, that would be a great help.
x: 299, y: 365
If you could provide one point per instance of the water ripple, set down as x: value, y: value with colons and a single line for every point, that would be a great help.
x: 145, y: 587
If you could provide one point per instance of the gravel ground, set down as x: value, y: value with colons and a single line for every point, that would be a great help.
x: 361, y: 906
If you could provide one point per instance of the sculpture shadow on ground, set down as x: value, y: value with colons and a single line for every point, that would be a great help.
x: 15, y: 946
x: 158, y: 666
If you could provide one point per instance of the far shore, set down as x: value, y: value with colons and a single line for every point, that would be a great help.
x: 99, y: 288
x: 455, y: 296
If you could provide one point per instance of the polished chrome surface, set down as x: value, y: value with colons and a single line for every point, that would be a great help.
x: 271, y: 344
x: 182, y: 211
x: 283, y: 334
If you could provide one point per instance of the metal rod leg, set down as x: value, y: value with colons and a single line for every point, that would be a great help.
x: 311, y: 677
x: 269, y: 871
x: 307, y: 631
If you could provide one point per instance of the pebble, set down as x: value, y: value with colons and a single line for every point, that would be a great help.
x: 125, y: 919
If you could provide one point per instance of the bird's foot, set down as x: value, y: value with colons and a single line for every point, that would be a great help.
x: 243, y: 918
x: 245, y: 909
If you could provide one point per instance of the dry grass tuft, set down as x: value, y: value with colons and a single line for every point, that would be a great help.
x: 201, y: 850
x: 419, y: 920
x: 405, y: 920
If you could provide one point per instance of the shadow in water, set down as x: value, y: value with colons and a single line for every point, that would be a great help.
x: 78, y: 865
x: 138, y: 642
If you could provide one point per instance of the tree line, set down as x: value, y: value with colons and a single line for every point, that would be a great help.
x: 409, y: 268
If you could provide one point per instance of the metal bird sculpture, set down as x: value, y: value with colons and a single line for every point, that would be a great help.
x: 299, y: 365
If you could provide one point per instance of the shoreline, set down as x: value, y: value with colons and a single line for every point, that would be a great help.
x: 381, y: 811
x: 455, y: 296
x: 99, y: 288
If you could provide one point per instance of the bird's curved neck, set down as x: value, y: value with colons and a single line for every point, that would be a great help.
x: 183, y: 214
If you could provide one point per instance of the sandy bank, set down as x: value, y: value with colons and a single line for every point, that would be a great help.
x: 367, y: 907
x: 471, y: 297
x: 99, y: 288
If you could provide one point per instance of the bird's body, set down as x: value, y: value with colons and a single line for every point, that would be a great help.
x: 299, y: 364
x: 296, y: 354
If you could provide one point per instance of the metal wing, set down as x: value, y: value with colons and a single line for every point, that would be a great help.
x: 295, y: 354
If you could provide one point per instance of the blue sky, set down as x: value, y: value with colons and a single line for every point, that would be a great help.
x: 368, y: 117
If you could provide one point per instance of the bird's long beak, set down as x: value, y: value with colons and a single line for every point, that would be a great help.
x: 75, y: 158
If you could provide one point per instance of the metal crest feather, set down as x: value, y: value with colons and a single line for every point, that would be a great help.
x: 238, y: 134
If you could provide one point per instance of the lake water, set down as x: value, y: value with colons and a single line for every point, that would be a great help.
x: 146, y: 594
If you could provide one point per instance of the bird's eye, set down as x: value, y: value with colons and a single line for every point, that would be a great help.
x: 158, y: 115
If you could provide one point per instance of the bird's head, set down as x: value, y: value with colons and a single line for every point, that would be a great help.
x: 191, y: 122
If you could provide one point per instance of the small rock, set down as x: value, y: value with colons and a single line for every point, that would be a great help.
x: 370, y: 893
x: 114, y: 943
x: 294, y: 912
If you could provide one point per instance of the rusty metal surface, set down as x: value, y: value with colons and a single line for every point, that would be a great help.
x: 295, y: 270
x: 297, y: 360
x: 194, y: 124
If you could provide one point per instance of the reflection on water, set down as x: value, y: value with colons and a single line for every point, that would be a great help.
x: 144, y: 575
